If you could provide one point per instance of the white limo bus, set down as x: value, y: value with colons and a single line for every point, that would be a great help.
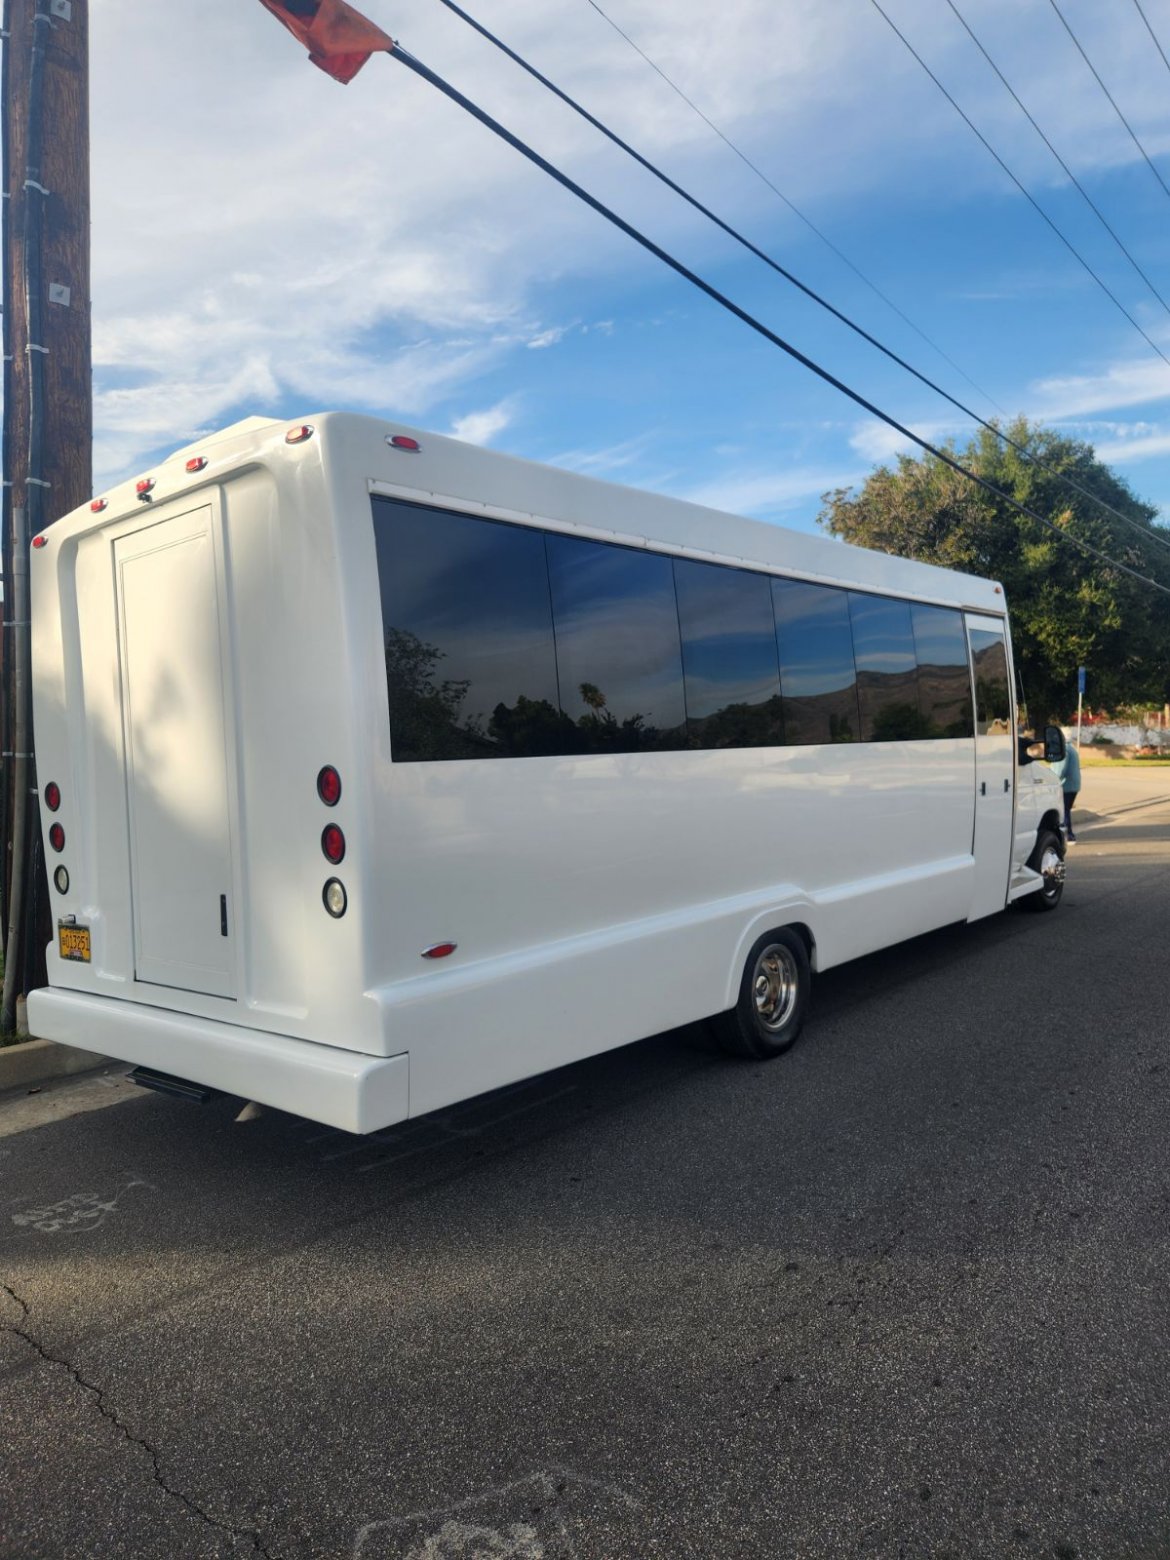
x: 378, y: 770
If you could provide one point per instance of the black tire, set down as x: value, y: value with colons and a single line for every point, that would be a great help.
x: 773, y: 998
x: 1048, y: 860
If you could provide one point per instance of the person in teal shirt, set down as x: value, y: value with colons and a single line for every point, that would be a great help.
x: 1068, y: 772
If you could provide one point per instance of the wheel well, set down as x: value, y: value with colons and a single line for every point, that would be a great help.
x: 807, y: 938
x: 1051, y: 820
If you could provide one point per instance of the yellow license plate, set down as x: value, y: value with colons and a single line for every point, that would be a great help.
x: 73, y: 943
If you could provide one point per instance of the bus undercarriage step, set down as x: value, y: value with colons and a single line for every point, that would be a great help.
x: 179, y: 1088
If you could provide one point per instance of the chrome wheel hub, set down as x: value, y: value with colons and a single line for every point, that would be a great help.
x: 774, y: 987
x: 1051, y: 870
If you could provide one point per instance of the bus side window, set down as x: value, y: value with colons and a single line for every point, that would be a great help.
x: 887, y: 671
x: 619, y: 654
x: 944, y: 672
x: 993, y: 706
x: 818, y: 678
x: 729, y: 656
x: 470, y: 666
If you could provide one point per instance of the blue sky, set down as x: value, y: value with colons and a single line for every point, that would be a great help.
x: 266, y: 241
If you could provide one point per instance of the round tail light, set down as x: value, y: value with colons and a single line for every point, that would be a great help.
x: 329, y: 786
x: 333, y: 843
x: 57, y: 837
x: 52, y: 796
x: 335, y: 898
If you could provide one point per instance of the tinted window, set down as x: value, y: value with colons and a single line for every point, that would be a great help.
x: 993, y: 709
x: 729, y: 656
x: 887, y: 672
x: 944, y: 676
x: 618, y: 653
x: 470, y: 664
x: 817, y: 677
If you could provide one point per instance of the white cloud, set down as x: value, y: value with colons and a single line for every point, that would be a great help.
x: 1131, y: 382
x: 482, y: 427
x: 764, y: 492
x: 606, y: 459
x: 878, y: 442
x: 549, y: 337
x: 1136, y: 449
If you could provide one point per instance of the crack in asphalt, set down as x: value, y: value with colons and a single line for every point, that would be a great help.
x: 108, y: 1413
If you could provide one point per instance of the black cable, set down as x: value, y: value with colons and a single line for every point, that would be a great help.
x: 1152, y: 33
x: 428, y: 75
x: 1023, y: 191
x: 1109, y: 95
x: 788, y: 276
x: 1096, y: 210
x: 795, y: 210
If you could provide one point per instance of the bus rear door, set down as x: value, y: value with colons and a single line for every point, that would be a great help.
x: 176, y: 747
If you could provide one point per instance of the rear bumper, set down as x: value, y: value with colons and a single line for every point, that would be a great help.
x: 345, y: 1089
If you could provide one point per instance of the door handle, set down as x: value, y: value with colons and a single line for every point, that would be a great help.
x: 983, y: 787
x: 1007, y: 785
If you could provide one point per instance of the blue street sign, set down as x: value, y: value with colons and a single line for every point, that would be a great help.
x: 1081, y: 680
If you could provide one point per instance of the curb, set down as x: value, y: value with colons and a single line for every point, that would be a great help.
x: 39, y: 1061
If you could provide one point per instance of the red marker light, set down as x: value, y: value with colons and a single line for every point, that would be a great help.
x: 333, y: 843
x: 98, y: 505
x: 197, y: 463
x: 52, y: 796
x: 57, y: 837
x: 400, y: 442
x: 38, y: 542
x: 144, y: 486
x: 299, y: 435
x: 439, y: 950
x: 329, y: 786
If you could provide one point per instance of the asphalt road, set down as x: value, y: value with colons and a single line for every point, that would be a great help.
x: 903, y: 1293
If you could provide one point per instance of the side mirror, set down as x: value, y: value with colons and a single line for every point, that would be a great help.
x: 1054, y: 745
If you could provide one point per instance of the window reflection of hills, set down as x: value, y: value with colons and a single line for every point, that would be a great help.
x: 427, y: 719
x: 506, y: 641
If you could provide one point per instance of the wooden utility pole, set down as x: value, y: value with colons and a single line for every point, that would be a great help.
x: 48, y: 395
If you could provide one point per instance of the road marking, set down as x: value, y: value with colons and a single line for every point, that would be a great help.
x: 524, y: 1520
x: 78, y: 1214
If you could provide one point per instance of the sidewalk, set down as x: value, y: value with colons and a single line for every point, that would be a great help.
x: 1108, y: 792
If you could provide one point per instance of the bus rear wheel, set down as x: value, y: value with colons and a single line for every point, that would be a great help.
x: 773, y: 998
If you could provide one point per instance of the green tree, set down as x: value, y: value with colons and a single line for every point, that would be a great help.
x: 1067, y: 609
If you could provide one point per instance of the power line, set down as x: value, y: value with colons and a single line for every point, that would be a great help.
x: 1152, y: 33
x: 971, y: 125
x: 425, y: 73
x: 788, y: 276
x: 1109, y: 95
x: 1084, y: 192
x: 793, y: 208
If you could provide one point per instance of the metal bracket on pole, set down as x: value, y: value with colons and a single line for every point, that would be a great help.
x: 63, y: 9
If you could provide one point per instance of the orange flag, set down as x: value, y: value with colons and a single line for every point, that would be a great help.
x: 339, y: 39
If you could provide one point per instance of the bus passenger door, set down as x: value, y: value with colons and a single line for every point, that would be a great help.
x: 995, y: 765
